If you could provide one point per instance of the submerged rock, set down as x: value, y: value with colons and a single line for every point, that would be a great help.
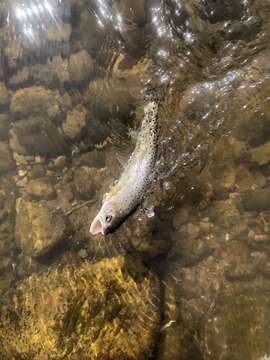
x: 81, y: 67
x: 239, y: 327
x: 261, y: 154
x: 59, y: 68
x: 35, y: 100
x: 6, y: 160
x: 224, y: 213
x: 4, y: 126
x: 37, y: 135
x: 74, y: 124
x: 40, y: 189
x: 256, y: 199
x: 38, y: 227
x: 110, y: 99
x: 4, y: 95
x: 60, y: 162
x: 84, y: 179
x: 88, y: 311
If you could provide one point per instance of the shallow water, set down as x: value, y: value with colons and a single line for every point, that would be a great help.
x: 186, y: 276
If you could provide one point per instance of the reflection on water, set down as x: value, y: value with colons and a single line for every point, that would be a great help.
x: 187, y: 274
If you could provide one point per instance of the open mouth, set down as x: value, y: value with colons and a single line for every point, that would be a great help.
x: 96, y: 226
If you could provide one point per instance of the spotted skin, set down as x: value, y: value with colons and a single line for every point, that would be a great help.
x: 136, y: 178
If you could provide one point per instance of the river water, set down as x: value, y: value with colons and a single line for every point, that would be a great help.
x: 187, y: 275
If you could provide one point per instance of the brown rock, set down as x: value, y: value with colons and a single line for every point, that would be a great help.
x: 261, y: 154
x: 74, y: 124
x: 4, y: 126
x: 37, y: 135
x: 4, y: 95
x: 35, y: 100
x: 81, y: 67
x: 84, y: 181
x: 38, y: 227
x: 40, y: 189
x: 6, y: 160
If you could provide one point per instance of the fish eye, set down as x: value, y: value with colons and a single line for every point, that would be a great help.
x: 108, y: 218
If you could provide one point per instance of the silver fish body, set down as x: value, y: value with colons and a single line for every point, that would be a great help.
x: 136, y: 178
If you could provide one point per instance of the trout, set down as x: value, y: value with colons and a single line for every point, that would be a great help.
x: 135, y: 180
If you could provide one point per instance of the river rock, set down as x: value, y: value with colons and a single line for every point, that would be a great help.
x: 81, y: 67
x: 60, y: 162
x: 225, y: 213
x: 85, y: 311
x: 84, y: 178
x: 59, y: 68
x: 238, y: 327
x: 261, y: 154
x: 37, y: 135
x: 4, y: 95
x: 4, y: 126
x: 38, y: 227
x: 59, y: 33
x: 110, y: 99
x: 93, y: 158
x: 37, y: 171
x: 180, y: 217
x: 14, y: 53
x: 40, y: 189
x: 21, y: 78
x: 6, y: 160
x: 74, y: 124
x: 35, y: 100
x: 256, y: 199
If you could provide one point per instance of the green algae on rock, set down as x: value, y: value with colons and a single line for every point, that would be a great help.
x: 86, y: 311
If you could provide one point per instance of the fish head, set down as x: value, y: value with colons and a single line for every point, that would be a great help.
x: 107, y: 219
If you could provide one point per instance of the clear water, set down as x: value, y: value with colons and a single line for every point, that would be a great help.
x: 186, y: 276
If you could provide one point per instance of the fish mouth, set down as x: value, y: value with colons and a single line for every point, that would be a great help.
x: 97, y: 226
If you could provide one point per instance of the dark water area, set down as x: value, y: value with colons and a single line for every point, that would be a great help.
x: 187, y: 275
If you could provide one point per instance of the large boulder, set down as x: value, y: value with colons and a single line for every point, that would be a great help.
x: 38, y: 227
x: 107, y: 310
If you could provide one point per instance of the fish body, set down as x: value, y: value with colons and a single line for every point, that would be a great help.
x: 136, y: 178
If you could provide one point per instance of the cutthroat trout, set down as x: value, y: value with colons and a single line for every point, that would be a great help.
x: 136, y: 178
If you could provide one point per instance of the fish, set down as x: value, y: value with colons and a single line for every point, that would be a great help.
x: 138, y: 175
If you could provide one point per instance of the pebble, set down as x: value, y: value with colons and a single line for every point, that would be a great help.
x: 22, y: 173
x: 50, y: 173
x: 39, y: 160
x: 37, y: 171
x: 180, y: 217
x: 83, y: 254
x: 60, y: 162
